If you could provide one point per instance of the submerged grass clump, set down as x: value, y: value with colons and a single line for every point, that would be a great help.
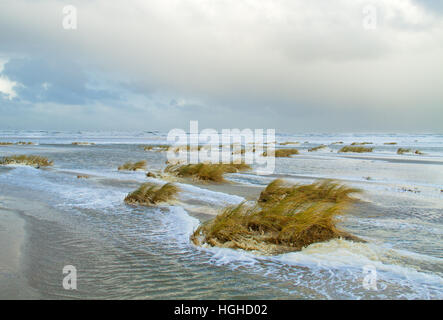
x: 355, y: 149
x: 148, y: 194
x: 285, y: 218
x: 27, y: 160
x: 360, y: 143
x: 281, y: 153
x: 206, y: 171
x: 24, y: 143
x: 322, y: 146
x: 130, y: 166
x: 156, y: 147
x: 288, y: 142
x: 19, y: 143
x: 403, y: 151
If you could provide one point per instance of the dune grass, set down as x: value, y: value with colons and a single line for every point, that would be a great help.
x: 284, y: 215
x: 187, y: 148
x: 133, y: 166
x: 206, y: 171
x: 156, y: 147
x: 19, y: 143
x: 288, y: 142
x: 282, y: 153
x: 390, y: 143
x: 360, y: 143
x: 355, y: 149
x: 403, y: 151
x: 148, y: 194
x: 24, y: 143
x: 27, y: 160
x: 337, y: 142
x: 322, y: 146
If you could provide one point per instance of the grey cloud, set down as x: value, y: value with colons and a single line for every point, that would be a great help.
x: 289, y: 64
x: 57, y: 81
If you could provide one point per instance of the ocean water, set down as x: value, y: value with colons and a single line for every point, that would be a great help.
x: 126, y: 252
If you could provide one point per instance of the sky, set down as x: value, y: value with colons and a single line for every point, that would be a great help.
x: 291, y: 65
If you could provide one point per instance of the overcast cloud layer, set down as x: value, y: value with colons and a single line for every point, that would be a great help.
x: 292, y: 65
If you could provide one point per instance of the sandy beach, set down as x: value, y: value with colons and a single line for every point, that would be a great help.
x: 13, y: 282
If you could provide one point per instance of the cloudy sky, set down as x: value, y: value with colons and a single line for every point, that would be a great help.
x: 292, y: 65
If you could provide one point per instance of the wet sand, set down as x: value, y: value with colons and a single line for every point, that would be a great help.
x: 12, y: 239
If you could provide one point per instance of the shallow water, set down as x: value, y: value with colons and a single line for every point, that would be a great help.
x: 127, y: 252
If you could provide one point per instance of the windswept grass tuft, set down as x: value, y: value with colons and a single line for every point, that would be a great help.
x: 288, y: 142
x: 27, y: 160
x: 140, y: 165
x: 360, y: 143
x: 76, y: 143
x: 24, y: 143
x: 286, y: 216
x: 148, y: 194
x: 281, y: 153
x: 322, y: 146
x: 187, y: 147
x: 355, y: 149
x: 206, y: 171
x: 156, y: 147
x: 403, y: 151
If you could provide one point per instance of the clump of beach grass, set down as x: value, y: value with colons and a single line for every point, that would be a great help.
x: 390, y: 143
x: 322, y: 146
x: 360, y: 143
x: 156, y: 147
x: 148, y: 194
x: 403, y: 150
x: 6, y: 143
x: 206, y: 171
x: 285, y: 218
x: 282, y: 153
x: 187, y: 147
x: 355, y: 149
x: 27, y: 160
x: 133, y: 166
x: 24, y: 143
x: 288, y: 142
x: 151, y: 175
x: 76, y: 143
x: 337, y: 142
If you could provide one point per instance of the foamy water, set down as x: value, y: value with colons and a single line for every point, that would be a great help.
x: 133, y: 252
